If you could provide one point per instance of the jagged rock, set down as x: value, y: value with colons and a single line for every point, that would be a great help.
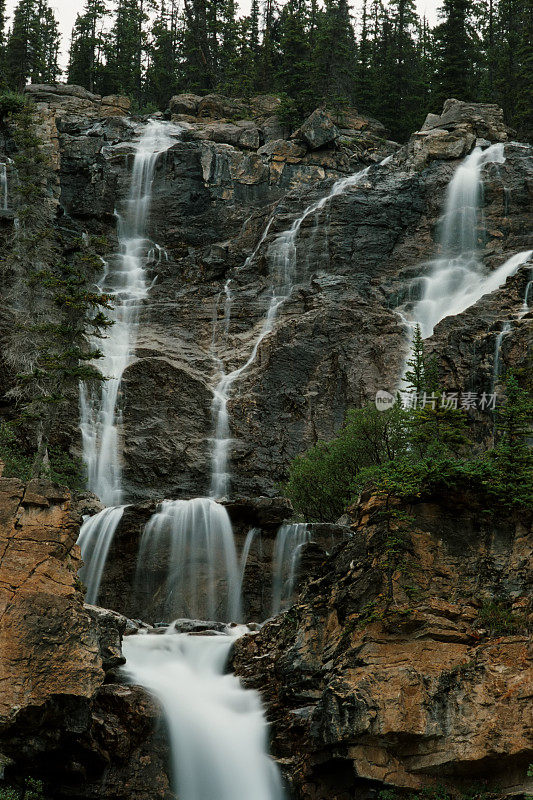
x: 318, y: 130
x: 437, y: 143
x: 408, y: 692
x: 484, y: 119
x: 111, y: 628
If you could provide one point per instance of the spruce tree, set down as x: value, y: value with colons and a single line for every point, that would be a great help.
x: 335, y: 54
x: 454, y: 54
x: 87, y: 45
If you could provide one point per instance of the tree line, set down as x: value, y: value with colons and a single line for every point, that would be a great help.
x: 383, y: 57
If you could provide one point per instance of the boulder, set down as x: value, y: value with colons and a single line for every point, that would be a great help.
x: 442, y: 144
x: 217, y: 106
x: 115, y: 105
x: 63, y: 90
x: 184, y: 104
x: 317, y: 130
x: 484, y: 119
x: 282, y: 149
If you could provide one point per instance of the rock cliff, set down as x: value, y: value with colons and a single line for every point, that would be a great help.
x: 232, y: 183
x: 400, y: 671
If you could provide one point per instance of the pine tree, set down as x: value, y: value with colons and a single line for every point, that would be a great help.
x: 523, y: 118
x: 87, y: 45
x: 33, y: 45
x: 335, y: 53
x: 162, y: 73
x: 294, y: 71
x: 454, y: 54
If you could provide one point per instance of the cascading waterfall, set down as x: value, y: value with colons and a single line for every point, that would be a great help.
x: 3, y: 186
x: 496, y: 371
x: 96, y: 536
x: 282, y: 252
x: 218, y: 732
x: 288, y: 546
x: 194, y: 541
x: 124, y: 281
x: 456, y: 279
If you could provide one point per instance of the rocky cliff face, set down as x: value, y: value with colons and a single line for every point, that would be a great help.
x: 233, y: 182
x: 395, y: 673
x: 62, y: 718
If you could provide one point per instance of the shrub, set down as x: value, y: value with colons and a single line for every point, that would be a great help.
x: 11, y: 103
x: 320, y: 483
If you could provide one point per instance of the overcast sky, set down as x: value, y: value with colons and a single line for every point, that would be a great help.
x: 66, y: 11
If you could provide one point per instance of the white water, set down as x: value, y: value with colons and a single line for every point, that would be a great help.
x: 95, y: 539
x: 194, y: 540
x: 282, y: 253
x: 290, y: 540
x: 218, y: 732
x: 248, y: 543
x: 3, y: 186
x: 497, y: 347
x: 456, y: 279
x: 125, y: 282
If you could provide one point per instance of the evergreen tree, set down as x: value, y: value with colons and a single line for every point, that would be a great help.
x: 87, y: 45
x: 454, y: 54
x: 294, y: 71
x: 335, y: 53
x: 162, y: 73
x: 33, y: 45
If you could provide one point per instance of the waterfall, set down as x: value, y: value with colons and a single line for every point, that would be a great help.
x: 95, y: 539
x: 456, y: 279
x: 192, y: 541
x: 282, y: 252
x: 3, y: 186
x: 124, y: 281
x: 525, y: 304
x: 286, y: 562
x: 217, y: 729
x: 497, y: 347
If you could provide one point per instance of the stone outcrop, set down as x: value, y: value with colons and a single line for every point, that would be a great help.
x: 387, y: 673
x: 62, y: 718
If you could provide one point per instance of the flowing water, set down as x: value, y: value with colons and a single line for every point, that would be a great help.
x: 283, y: 255
x: 125, y: 282
x: 217, y: 730
x: 288, y: 546
x: 496, y: 371
x: 192, y: 542
x: 456, y: 279
x: 3, y: 186
x: 96, y: 536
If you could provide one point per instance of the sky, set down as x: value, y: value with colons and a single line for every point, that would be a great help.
x: 66, y: 11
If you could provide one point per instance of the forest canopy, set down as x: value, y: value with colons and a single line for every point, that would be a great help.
x: 380, y: 56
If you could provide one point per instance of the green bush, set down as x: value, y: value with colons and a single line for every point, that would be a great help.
x: 499, y: 619
x: 11, y: 103
x: 320, y: 483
